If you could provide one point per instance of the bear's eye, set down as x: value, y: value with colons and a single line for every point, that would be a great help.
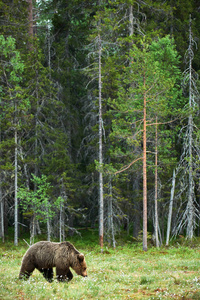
x: 84, y: 269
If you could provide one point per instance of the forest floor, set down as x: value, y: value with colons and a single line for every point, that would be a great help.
x: 124, y: 273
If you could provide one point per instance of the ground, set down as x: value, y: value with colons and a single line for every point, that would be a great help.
x: 124, y: 273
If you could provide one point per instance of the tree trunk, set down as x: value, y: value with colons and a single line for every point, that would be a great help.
x: 170, y: 208
x: 131, y: 28
x: 189, y: 231
x: 188, y: 163
x: 2, y: 234
x: 60, y: 227
x: 48, y: 229
x: 144, y: 177
x: 38, y: 227
x: 48, y: 225
x: 32, y: 229
x: 156, y: 186
x: 16, y: 200
x: 110, y: 216
x: 62, y: 223
x: 136, y: 208
x: 101, y: 204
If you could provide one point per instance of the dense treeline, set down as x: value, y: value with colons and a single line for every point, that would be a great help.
x: 82, y: 81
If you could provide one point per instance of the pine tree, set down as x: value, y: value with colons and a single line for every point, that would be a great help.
x: 153, y: 79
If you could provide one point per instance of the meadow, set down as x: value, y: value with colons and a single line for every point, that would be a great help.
x: 126, y: 272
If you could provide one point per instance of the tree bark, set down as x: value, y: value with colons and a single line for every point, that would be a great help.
x: 62, y: 222
x: 156, y: 186
x: 16, y: 199
x: 48, y: 228
x: 101, y: 204
x: 144, y: 177
x: 170, y: 208
x: 32, y: 229
x: 2, y: 234
x: 136, y: 208
x: 131, y: 28
x: 110, y: 216
x: 189, y: 231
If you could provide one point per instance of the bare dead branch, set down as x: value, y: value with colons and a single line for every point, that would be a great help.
x: 127, y: 167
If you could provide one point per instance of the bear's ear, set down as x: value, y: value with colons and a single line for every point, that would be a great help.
x: 80, y: 257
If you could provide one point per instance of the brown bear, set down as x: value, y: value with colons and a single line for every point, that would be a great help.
x: 46, y: 255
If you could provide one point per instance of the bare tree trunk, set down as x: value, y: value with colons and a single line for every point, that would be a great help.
x: 32, y: 229
x: 16, y: 199
x: 60, y: 227
x: 131, y: 28
x: 49, y: 47
x: 62, y: 223
x: 101, y: 201
x: 136, y: 208
x: 189, y: 231
x: 144, y: 177
x: 156, y: 186
x: 38, y: 227
x: 170, y: 208
x: 109, y: 212
x: 110, y: 216
x: 63, y: 202
x: 2, y: 234
x: 189, y: 161
x: 48, y: 223
x: 48, y: 228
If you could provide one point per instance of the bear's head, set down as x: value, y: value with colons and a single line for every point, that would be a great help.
x: 80, y: 266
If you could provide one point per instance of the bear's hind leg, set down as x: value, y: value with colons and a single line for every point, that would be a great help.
x: 63, y: 274
x: 47, y: 273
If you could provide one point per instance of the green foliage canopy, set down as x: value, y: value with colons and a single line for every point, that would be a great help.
x: 37, y: 201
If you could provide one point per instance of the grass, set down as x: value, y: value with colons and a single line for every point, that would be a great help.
x: 124, y: 273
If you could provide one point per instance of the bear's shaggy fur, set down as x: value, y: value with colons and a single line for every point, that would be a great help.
x: 46, y: 255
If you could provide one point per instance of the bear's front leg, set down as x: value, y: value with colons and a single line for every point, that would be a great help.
x: 63, y: 274
x: 26, y: 271
x: 69, y: 275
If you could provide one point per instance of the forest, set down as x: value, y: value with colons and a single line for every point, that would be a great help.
x: 99, y: 119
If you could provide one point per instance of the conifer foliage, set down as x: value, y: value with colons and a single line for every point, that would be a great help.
x: 94, y: 119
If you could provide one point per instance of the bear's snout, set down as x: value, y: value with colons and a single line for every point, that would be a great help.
x: 84, y: 273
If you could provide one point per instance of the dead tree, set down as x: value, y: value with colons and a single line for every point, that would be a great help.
x: 191, y: 152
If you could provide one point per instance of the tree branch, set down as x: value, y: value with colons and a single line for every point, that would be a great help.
x: 127, y: 167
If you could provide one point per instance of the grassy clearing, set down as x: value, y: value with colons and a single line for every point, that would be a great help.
x: 124, y: 273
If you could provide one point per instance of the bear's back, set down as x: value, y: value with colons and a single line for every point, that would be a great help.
x: 45, y: 254
x: 42, y: 254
